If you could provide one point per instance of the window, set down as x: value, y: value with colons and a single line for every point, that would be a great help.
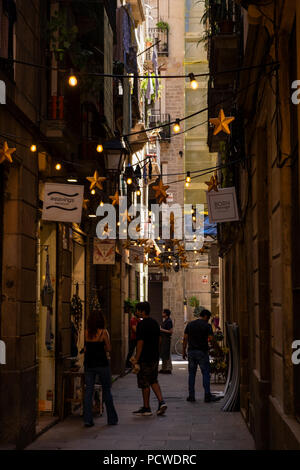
x: 8, y: 17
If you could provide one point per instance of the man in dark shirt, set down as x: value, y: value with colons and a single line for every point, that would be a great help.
x: 197, y: 334
x: 147, y: 357
x: 166, y: 331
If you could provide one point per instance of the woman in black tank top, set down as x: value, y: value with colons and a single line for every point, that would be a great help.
x: 97, y: 347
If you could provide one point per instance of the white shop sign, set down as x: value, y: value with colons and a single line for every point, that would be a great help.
x: 63, y: 202
x: 222, y: 205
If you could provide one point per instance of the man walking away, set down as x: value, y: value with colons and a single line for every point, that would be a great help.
x: 197, y: 334
x: 132, y: 342
x: 147, y: 357
x: 166, y: 331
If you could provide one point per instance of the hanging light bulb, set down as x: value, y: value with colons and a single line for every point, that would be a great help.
x: 118, y: 224
x: 93, y: 191
x: 73, y: 81
x: 99, y: 148
x: 58, y: 166
x: 101, y: 203
x: 129, y: 181
x: 176, y: 127
x: 33, y: 148
x: 188, y: 177
x: 194, y: 83
x: 138, y: 193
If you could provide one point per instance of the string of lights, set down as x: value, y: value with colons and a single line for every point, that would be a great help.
x: 119, y: 76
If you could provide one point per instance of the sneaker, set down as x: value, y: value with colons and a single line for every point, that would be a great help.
x: 210, y: 398
x: 190, y: 399
x: 143, y: 412
x: 89, y: 425
x: 161, y: 408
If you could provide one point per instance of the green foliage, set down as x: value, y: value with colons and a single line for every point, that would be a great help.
x: 61, y: 34
x: 194, y: 302
x: 130, y: 305
x: 144, y: 85
x: 163, y: 25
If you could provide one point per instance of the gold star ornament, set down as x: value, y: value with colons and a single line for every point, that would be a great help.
x: 221, y: 123
x: 161, y: 192
x: 85, y: 204
x: 115, y: 199
x: 96, y: 181
x: 5, y: 153
x: 212, y: 183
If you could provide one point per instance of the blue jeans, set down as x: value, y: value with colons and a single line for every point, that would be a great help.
x: 105, y: 379
x: 200, y: 358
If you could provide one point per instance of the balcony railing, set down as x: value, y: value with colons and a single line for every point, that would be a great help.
x: 156, y: 119
x: 160, y: 36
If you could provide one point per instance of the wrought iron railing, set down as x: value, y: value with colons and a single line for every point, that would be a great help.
x: 155, y: 119
x: 160, y: 37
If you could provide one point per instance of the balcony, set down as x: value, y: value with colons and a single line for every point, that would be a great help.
x: 160, y: 36
x: 223, y: 55
x: 157, y: 119
x: 224, y: 40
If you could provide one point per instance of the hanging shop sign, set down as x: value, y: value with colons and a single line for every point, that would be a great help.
x: 104, y: 251
x: 222, y: 205
x: 63, y: 202
x: 136, y: 254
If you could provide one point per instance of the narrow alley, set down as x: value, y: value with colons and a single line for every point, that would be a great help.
x: 185, y: 426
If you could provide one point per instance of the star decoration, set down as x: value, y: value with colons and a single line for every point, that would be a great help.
x: 125, y: 216
x: 212, y: 183
x: 115, y: 199
x: 161, y: 192
x: 85, y: 204
x: 221, y: 123
x: 184, y: 265
x: 96, y: 181
x: 175, y: 241
x: 6, y: 152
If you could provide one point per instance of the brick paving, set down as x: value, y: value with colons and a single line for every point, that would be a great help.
x: 185, y: 426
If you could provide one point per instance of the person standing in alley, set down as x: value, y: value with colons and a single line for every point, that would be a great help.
x: 196, y: 335
x: 132, y: 342
x: 97, y: 345
x: 147, y: 357
x: 166, y: 331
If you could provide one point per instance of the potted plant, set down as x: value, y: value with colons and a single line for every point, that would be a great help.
x: 163, y: 25
x: 148, y: 42
x: 225, y: 22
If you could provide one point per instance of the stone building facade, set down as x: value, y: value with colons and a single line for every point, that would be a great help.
x: 260, y: 253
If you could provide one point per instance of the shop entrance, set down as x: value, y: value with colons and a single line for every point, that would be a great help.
x: 46, y: 323
x: 155, y: 296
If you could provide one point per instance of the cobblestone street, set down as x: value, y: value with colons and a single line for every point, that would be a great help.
x: 185, y: 426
